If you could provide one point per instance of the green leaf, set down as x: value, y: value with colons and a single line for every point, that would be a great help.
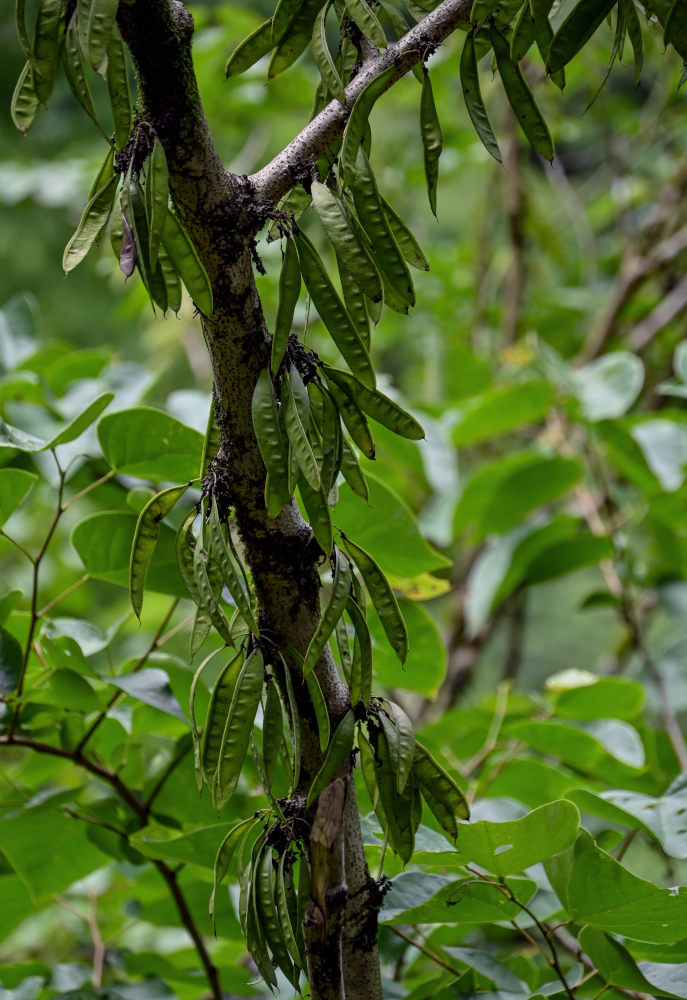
x: 375, y: 404
x: 419, y: 898
x: 156, y: 199
x: 664, y: 446
x: 383, y: 598
x: 392, y: 536
x: 596, y: 889
x: 614, y: 962
x: 103, y: 542
x: 340, y: 747
x: 399, y: 293
x: 47, y: 40
x: 351, y: 251
x: 441, y: 792
x: 289, y: 291
x: 151, y: 686
x: 503, y: 565
x: 190, y: 845
x: 150, y: 444
x: 239, y: 724
x: 68, y: 690
x: 506, y: 848
x: 666, y: 979
x: 118, y: 86
x: 13, y: 437
x: 82, y: 422
x: 45, y: 872
x: 574, y: 746
x: 15, y: 484
x: 500, y: 495
x: 532, y: 782
x: 603, y: 698
x: 568, y: 555
x: 17, y: 904
x: 360, y: 12
x: 90, y: 228
x: 500, y: 411
x: 608, y: 386
x: 267, y: 429
x: 8, y: 602
x: 74, y: 70
x: 663, y: 815
x: 11, y: 659
x: 634, y: 30
x: 425, y: 667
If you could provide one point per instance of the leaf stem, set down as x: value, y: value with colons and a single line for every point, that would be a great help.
x: 437, y: 959
x: 88, y: 489
x: 545, y: 931
x: 35, y: 614
x: 18, y: 545
x: 65, y: 593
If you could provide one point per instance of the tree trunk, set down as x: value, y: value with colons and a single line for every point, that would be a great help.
x: 220, y: 214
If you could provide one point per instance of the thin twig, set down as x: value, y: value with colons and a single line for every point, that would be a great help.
x: 65, y: 593
x: 18, y: 545
x: 175, y: 631
x: 430, y: 954
x: 168, y: 771
x: 277, y: 177
x: 627, y: 840
x: 88, y: 489
x: 155, y: 642
x: 569, y: 943
x: 489, y: 745
x: 506, y: 891
x: 33, y: 621
x: 592, y: 515
x: 665, y: 707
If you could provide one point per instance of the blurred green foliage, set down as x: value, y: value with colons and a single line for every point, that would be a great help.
x: 548, y: 371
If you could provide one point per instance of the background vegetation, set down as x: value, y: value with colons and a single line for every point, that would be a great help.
x: 537, y: 536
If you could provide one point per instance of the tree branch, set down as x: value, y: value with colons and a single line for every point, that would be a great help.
x: 276, y: 178
x: 140, y: 810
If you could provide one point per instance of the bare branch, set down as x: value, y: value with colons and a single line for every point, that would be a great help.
x: 668, y: 309
x: 279, y: 176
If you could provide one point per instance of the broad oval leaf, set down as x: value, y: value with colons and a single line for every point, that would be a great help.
x: 150, y: 444
x: 14, y: 486
x: 151, y: 686
x: 103, y: 542
x: 506, y: 848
